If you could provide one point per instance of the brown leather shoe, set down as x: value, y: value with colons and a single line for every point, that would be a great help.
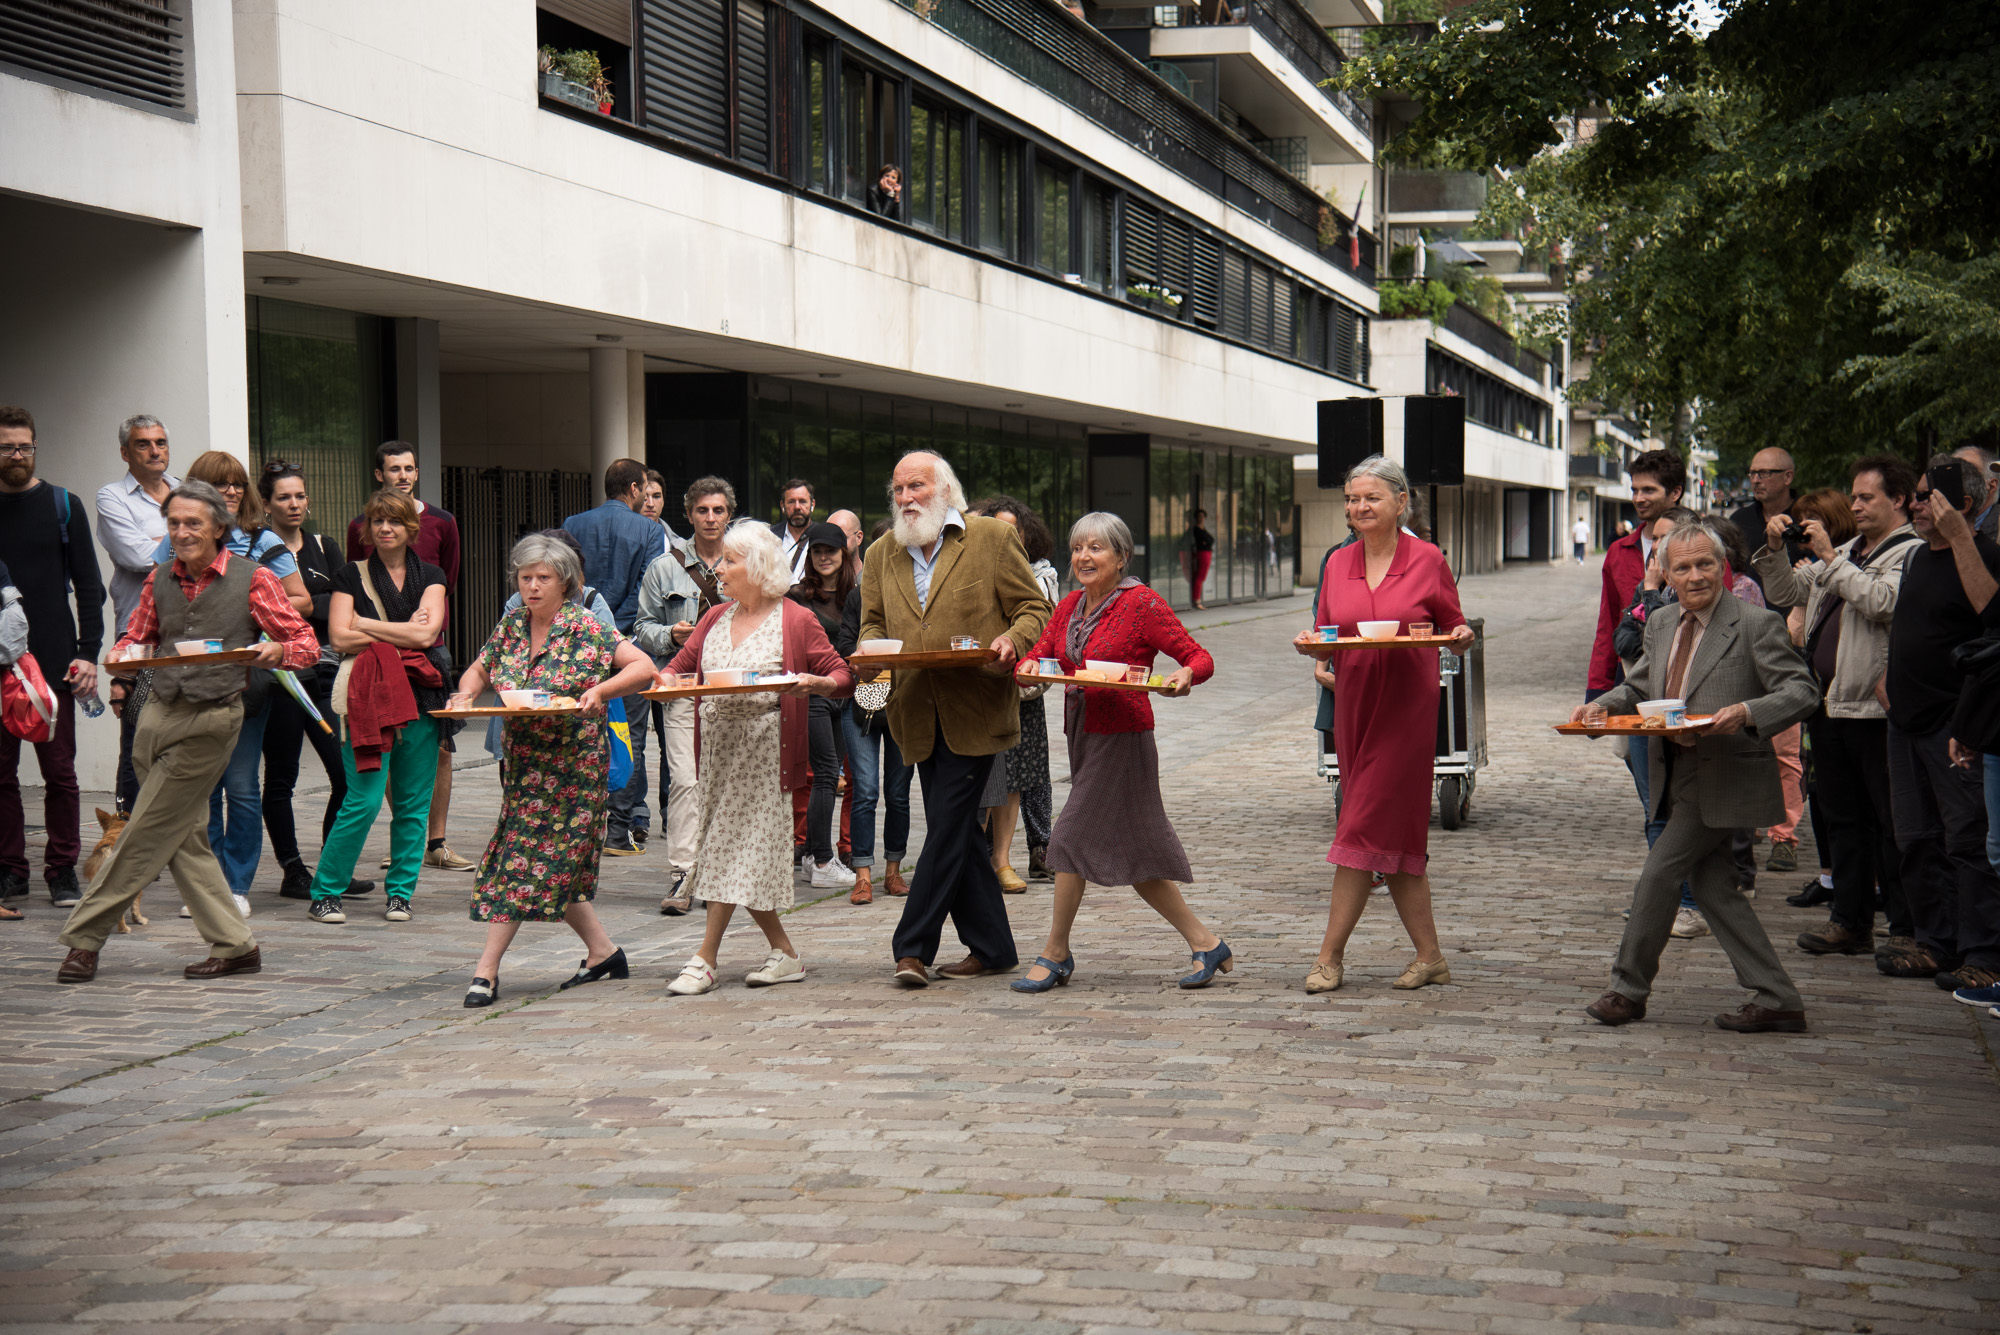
x: 969, y: 967
x: 863, y: 892
x: 1755, y: 1019
x: 216, y: 967
x: 1615, y: 1008
x: 910, y: 972
x: 895, y: 884
x: 79, y: 966
x: 1836, y: 938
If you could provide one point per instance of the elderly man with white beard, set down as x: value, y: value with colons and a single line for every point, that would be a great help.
x: 940, y: 574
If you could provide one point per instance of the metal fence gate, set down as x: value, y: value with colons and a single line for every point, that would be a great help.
x: 495, y: 507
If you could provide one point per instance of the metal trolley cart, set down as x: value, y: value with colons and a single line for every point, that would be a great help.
x: 1461, y: 731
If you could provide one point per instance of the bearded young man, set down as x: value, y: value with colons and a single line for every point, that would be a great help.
x: 938, y: 574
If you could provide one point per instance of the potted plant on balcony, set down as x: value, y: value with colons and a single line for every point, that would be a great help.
x: 576, y: 77
x: 1154, y: 296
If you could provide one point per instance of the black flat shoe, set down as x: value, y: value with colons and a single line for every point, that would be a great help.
x: 614, y: 966
x: 360, y: 887
x: 483, y: 992
x: 1812, y: 896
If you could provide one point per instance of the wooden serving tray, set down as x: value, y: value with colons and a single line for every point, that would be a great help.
x: 696, y: 692
x: 1044, y: 678
x: 1322, y: 649
x: 183, y: 660
x: 506, y: 711
x: 1627, y: 725
x: 925, y: 658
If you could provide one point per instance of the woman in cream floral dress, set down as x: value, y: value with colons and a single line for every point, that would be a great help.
x: 753, y: 750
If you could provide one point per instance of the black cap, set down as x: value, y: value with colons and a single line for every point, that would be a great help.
x: 824, y: 534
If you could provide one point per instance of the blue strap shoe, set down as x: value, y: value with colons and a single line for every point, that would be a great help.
x: 1058, y: 975
x: 1222, y: 957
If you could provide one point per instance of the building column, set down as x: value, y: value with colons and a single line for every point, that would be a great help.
x: 419, y: 420
x: 610, y: 408
x: 635, y: 404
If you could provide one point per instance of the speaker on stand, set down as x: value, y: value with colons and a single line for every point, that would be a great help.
x: 1349, y: 431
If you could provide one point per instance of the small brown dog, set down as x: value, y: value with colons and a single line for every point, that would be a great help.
x: 113, y: 824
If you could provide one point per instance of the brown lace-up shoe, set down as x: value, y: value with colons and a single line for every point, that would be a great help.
x: 1836, y: 939
x: 1755, y: 1019
x: 79, y: 966
x: 863, y: 892
x: 216, y: 967
x: 1614, y: 1009
x: 910, y: 972
x: 969, y: 967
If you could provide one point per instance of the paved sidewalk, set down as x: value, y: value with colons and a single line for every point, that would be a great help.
x: 335, y: 1145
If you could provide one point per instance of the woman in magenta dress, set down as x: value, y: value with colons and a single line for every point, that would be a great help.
x: 1385, y: 719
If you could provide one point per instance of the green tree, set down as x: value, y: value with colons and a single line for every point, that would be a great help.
x: 1789, y: 224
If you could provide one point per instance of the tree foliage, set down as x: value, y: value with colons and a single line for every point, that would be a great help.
x: 1790, y: 223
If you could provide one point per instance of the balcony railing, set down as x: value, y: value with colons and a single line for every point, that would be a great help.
x: 1286, y: 25
x: 135, y: 50
x: 1436, y: 192
x: 1599, y: 466
x: 1367, y: 41
x: 1086, y: 70
x: 1491, y: 339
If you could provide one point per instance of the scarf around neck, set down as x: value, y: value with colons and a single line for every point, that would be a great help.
x: 1076, y: 638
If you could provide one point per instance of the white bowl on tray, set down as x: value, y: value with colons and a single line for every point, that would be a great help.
x: 519, y: 699
x: 1660, y: 708
x: 727, y: 677
x: 1112, y: 671
x: 879, y: 647
x: 1379, y: 630
x: 188, y: 648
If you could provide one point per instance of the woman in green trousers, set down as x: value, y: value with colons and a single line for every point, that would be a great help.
x: 395, y: 599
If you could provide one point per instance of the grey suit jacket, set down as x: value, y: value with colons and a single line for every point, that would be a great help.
x: 1746, y: 657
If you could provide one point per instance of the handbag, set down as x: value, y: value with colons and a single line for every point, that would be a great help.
x: 872, y: 697
x: 27, y: 704
x: 1976, y: 721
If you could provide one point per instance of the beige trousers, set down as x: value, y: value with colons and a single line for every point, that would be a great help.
x: 683, y: 791
x: 178, y: 753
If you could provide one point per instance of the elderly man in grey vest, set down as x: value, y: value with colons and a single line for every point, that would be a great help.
x: 1735, y: 662
x: 186, y: 735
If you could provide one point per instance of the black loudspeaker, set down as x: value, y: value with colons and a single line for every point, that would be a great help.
x: 1434, y: 440
x: 1349, y: 431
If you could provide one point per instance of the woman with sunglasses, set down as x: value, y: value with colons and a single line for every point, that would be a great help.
x: 288, y: 726
x: 235, y: 808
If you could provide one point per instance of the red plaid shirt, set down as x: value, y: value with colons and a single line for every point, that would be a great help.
x: 269, y: 607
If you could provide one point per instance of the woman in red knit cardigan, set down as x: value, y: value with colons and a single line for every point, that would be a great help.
x: 1114, y: 828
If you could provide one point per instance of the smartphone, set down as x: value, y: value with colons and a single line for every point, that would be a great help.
x: 1948, y: 480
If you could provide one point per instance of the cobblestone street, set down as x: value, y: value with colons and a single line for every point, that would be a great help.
x: 335, y: 1145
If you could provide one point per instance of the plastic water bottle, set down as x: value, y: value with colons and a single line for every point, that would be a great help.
x: 91, y: 704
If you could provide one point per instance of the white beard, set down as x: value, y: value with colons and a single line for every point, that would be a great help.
x: 925, y: 528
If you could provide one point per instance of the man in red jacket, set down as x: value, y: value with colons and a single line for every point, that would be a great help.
x: 1658, y: 479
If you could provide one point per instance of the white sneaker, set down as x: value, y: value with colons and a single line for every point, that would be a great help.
x: 243, y: 905
x: 832, y: 875
x: 697, y: 977
x: 779, y: 968
x: 1689, y: 923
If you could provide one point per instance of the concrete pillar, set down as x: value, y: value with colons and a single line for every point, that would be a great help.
x: 419, y: 419
x: 610, y: 415
x: 635, y: 404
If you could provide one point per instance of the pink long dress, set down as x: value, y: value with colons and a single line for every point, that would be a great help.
x: 1385, y: 705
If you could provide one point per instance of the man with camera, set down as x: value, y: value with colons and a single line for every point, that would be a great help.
x: 1940, y: 807
x: 1849, y: 593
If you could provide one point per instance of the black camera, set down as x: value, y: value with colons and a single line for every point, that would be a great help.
x: 1795, y: 533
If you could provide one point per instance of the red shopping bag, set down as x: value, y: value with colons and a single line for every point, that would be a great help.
x: 27, y: 705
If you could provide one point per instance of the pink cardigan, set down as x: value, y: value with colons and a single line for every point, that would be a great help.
x: 806, y: 649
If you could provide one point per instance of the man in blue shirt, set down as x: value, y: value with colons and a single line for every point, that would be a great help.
x: 618, y: 544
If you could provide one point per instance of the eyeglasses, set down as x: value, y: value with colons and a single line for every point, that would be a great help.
x: 1769, y: 472
x: 18, y: 451
x: 229, y: 486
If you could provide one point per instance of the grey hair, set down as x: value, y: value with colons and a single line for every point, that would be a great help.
x: 1698, y: 526
x: 134, y: 423
x: 757, y: 548
x: 943, y: 477
x: 206, y: 493
x: 539, y: 549
x: 1388, y: 470
x: 1108, y: 529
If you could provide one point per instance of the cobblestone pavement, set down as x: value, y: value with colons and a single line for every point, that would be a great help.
x: 336, y: 1146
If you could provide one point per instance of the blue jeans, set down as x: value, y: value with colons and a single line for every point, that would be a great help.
x: 875, y: 767
x: 1638, y: 755
x: 239, y: 841
x: 1993, y: 811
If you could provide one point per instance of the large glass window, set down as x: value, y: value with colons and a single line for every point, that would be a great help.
x: 868, y: 126
x: 316, y: 380
x: 937, y: 170
x: 818, y: 117
x: 1093, y: 259
x: 999, y: 195
x: 1053, y: 250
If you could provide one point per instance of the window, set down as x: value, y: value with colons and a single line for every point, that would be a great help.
x: 818, y: 115
x: 869, y: 130
x: 1094, y: 237
x: 999, y: 195
x: 937, y: 170
x: 1053, y: 249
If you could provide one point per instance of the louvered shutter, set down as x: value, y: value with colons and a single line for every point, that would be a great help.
x: 687, y: 70
x: 130, y: 48
x: 1142, y: 242
x: 1235, y: 294
x: 1260, y: 306
x: 1176, y: 270
x: 1284, y: 337
x: 753, y: 84
x: 1207, y: 285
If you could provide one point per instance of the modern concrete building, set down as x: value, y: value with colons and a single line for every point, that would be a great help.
x: 293, y: 229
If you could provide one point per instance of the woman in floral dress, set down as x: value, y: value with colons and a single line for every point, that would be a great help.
x: 541, y: 864
x: 754, y: 750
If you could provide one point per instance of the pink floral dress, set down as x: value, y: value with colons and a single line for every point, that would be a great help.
x: 543, y: 854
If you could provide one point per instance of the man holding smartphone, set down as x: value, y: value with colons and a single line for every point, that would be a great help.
x: 1939, y: 807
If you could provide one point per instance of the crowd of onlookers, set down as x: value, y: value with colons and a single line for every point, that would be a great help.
x: 1888, y: 593
x: 391, y: 582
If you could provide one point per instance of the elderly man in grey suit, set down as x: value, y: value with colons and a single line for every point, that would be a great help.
x: 1735, y: 662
